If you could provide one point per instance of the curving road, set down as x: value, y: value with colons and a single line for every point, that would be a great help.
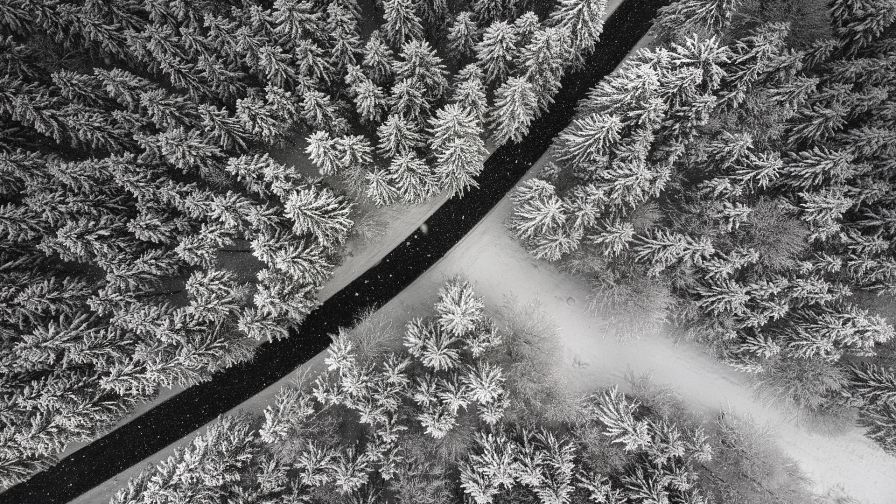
x: 197, y: 405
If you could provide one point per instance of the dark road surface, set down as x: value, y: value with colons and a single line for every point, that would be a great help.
x: 191, y: 409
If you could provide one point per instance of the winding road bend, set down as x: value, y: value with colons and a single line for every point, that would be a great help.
x: 181, y: 414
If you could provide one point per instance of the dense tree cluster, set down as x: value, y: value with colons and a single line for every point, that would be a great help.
x: 128, y: 163
x: 428, y: 425
x: 407, y: 111
x: 737, y: 180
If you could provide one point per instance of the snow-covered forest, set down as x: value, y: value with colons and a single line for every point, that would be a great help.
x: 133, y: 157
x: 736, y: 182
x: 180, y: 179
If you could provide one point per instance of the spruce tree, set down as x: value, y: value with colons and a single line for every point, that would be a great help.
x: 457, y: 146
x: 398, y: 135
x: 402, y: 22
x: 418, y: 62
x: 515, y: 107
x: 470, y: 92
x: 370, y: 101
x: 497, y: 51
x: 378, y: 58
x: 582, y: 21
x: 462, y: 35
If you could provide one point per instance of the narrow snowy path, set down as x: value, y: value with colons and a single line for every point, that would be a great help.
x: 499, y: 267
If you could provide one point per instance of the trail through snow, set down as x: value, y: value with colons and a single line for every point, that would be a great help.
x: 498, y: 266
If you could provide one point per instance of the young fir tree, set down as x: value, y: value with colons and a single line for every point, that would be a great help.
x: 462, y: 36
x: 418, y: 62
x: 370, y: 101
x: 378, y: 58
x: 397, y: 135
x: 497, y: 51
x: 543, y: 63
x: 401, y: 21
x: 457, y: 145
x: 735, y: 183
x: 582, y: 22
x: 515, y: 107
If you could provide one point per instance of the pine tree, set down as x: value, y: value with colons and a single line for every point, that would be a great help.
x: 515, y: 107
x: 319, y: 111
x: 402, y: 22
x: 279, y: 295
x: 462, y: 36
x: 397, y: 136
x: 858, y: 23
x: 269, y: 119
x: 346, y: 42
x: 435, y: 13
x: 213, y: 294
x: 525, y: 26
x: 486, y: 383
x: 881, y: 424
x: 614, y: 237
x: 313, y: 65
x: 470, y: 92
x: 168, y: 111
x: 379, y: 187
x: 321, y: 213
x: 583, y: 22
x: 538, y: 210
x: 223, y: 129
x: 370, y: 101
x: 85, y: 89
x: 543, y: 59
x: 458, y: 148
x: 459, y: 309
x: 323, y: 152
x: 276, y: 66
x: 684, y: 18
x: 588, y: 139
x: 354, y: 151
x: 411, y: 178
x: 491, y: 10
x: 873, y: 384
x: 296, y: 20
x: 496, y: 51
x: 418, y: 62
x: 407, y: 99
